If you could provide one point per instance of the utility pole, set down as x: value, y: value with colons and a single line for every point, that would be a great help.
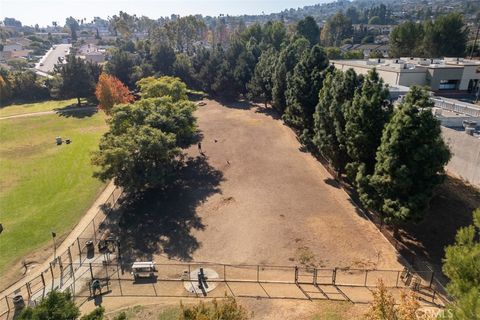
x: 475, y: 42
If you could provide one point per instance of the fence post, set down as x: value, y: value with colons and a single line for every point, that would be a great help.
x: 43, y: 279
x: 94, y: 230
x: 225, y: 272
x: 70, y: 260
x: 108, y: 278
x: 315, y: 275
x: 296, y: 274
x: 79, y: 251
x: 91, y: 271
x: 8, y: 305
x: 258, y: 273
x: 29, y: 290
x: 334, y: 275
x: 53, y: 277
x: 366, y: 276
x: 432, y: 275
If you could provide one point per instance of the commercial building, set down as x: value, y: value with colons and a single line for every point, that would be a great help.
x: 448, y: 74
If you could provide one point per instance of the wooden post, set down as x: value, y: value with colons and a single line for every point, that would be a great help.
x: 334, y: 275
x: 366, y: 276
x: 431, y: 279
x: 108, y: 278
x: 29, y: 290
x: 8, y: 305
x: 79, y: 251
x: 70, y: 260
x: 315, y: 275
x: 225, y: 272
x: 43, y: 279
x: 91, y: 271
x: 296, y: 274
x: 258, y: 273
x: 53, y: 277
x: 94, y: 231
x: 398, y: 278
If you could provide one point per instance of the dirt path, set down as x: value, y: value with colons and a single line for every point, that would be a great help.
x: 44, y: 113
x: 61, y: 248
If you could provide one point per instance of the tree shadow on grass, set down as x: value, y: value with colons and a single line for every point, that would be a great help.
x: 74, y: 111
x: 161, y: 221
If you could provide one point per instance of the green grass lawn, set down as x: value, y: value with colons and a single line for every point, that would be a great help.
x: 35, y: 107
x: 44, y: 187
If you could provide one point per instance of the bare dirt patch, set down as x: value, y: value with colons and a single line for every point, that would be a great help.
x: 252, y: 197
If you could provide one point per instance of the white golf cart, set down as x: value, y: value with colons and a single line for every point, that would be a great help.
x: 144, y: 269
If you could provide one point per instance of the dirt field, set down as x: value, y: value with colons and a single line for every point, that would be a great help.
x: 253, y: 198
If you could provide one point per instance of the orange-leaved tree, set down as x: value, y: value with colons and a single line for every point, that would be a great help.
x: 111, y: 91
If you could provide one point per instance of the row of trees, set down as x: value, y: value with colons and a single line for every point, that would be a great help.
x: 343, y: 117
x: 445, y: 36
x: 393, y: 157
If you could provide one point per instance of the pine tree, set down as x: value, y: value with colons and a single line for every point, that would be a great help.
x: 77, y: 78
x: 337, y: 92
x: 260, y: 85
x: 286, y: 62
x: 302, y: 91
x: 461, y: 266
x: 410, y: 160
x: 365, y: 119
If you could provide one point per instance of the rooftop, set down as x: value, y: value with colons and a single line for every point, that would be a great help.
x: 409, y: 64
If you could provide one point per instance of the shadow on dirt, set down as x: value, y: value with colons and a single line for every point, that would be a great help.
x: 241, y: 104
x: 269, y: 111
x: 161, y: 220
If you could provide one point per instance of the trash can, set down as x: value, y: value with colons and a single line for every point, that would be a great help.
x: 18, y: 302
x: 90, y: 249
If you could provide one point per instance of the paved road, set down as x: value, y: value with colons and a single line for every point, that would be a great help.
x: 51, y: 57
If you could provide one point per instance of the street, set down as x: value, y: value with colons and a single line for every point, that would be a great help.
x: 47, y: 63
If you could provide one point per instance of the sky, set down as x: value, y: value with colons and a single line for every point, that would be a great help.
x: 43, y: 12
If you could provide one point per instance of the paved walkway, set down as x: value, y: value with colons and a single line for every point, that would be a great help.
x: 71, y: 238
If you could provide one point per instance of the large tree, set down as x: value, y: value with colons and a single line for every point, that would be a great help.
x: 410, y: 160
x: 111, y: 91
x: 260, y: 85
x: 365, y: 119
x: 334, y: 98
x: 308, y: 28
x: 286, y: 62
x: 336, y: 29
x: 446, y: 37
x: 77, y: 78
x: 152, y: 87
x: 142, y: 148
x: 406, y: 40
x: 121, y: 65
x: 461, y: 266
x: 302, y: 91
